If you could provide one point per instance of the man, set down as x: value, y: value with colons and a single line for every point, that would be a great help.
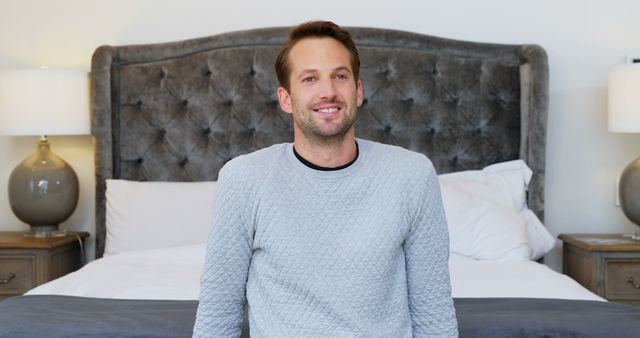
x: 330, y: 236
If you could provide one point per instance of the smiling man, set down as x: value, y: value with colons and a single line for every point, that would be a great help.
x: 330, y: 236
x: 321, y: 91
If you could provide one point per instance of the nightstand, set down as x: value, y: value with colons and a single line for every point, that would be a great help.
x: 606, y: 264
x: 26, y: 262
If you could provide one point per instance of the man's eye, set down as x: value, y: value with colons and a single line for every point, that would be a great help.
x: 341, y: 77
x: 309, y: 79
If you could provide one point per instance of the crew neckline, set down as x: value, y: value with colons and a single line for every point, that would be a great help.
x: 321, y: 168
x: 363, y: 148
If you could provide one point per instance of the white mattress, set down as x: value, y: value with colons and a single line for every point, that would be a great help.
x: 174, y: 273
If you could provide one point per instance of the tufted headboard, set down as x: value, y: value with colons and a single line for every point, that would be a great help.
x: 179, y: 111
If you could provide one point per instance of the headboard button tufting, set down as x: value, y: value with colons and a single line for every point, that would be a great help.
x: 183, y: 162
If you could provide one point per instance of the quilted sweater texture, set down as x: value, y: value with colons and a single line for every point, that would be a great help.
x: 356, y: 252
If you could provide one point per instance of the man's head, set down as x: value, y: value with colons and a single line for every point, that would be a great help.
x: 319, y: 85
x: 315, y: 29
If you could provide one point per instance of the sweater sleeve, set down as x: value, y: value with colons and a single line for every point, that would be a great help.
x: 227, y: 261
x: 427, y: 255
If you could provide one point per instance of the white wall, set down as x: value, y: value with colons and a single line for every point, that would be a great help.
x: 583, y: 39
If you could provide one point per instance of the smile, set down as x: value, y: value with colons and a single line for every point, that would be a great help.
x: 328, y: 110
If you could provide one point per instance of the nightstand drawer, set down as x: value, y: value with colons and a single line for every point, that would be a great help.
x: 16, y: 274
x: 622, y: 279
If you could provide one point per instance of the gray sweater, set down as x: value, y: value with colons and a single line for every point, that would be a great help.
x: 356, y: 252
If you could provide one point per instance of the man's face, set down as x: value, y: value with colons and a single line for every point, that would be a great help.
x: 323, y: 94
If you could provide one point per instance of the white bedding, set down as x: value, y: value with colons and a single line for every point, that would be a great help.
x: 174, y: 273
x: 528, y: 279
x: 171, y: 273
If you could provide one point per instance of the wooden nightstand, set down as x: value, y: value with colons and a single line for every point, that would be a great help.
x: 27, y: 262
x: 606, y: 264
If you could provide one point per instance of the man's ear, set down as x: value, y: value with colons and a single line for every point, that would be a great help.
x: 285, y: 100
x: 359, y: 93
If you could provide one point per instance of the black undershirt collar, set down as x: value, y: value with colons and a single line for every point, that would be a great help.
x: 317, y: 167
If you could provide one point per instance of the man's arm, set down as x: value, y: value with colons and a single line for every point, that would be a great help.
x: 427, y: 255
x: 224, y: 277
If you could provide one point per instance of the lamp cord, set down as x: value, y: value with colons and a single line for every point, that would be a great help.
x: 81, y: 243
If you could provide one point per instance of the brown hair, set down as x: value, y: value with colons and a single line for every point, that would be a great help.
x: 318, y: 29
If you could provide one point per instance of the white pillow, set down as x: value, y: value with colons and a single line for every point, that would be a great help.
x: 505, y: 182
x: 504, y: 185
x: 480, y: 228
x: 540, y: 240
x: 151, y: 215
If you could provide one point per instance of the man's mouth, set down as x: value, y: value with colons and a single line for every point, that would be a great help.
x: 327, y: 111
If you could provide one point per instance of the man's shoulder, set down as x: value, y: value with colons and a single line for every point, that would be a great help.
x: 400, y: 157
x: 255, y: 162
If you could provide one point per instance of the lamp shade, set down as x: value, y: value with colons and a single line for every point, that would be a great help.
x: 44, y: 102
x: 624, y: 98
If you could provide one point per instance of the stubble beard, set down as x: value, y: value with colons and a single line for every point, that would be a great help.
x: 313, y: 131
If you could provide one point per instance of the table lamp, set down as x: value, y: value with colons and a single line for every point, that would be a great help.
x: 624, y: 117
x: 43, y: 189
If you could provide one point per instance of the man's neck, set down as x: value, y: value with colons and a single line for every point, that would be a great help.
x: 327, y: 155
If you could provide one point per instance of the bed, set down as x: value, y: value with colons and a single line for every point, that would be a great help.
x: 167, y: 117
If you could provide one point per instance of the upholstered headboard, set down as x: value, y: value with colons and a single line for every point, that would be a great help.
x: 179, y: 111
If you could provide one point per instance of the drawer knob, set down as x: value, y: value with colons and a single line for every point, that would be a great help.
x: 632, y: 282
x: 5, y: 281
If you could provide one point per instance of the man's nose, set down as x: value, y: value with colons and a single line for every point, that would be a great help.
x: 327, y: 90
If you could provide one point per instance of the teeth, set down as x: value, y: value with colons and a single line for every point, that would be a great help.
x: 328, y: 110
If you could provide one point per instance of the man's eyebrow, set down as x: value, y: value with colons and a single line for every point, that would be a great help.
x: 343, y: 68
x: 314, y: 71
x: 307, y: 71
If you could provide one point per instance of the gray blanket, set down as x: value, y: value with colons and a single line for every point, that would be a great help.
x: 63, y: 316
x: 530, y: 317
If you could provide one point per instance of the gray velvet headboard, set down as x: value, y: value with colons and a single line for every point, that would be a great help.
x: 179, y: 111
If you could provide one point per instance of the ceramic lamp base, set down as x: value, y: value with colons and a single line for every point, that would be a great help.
x: 43, y: 190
